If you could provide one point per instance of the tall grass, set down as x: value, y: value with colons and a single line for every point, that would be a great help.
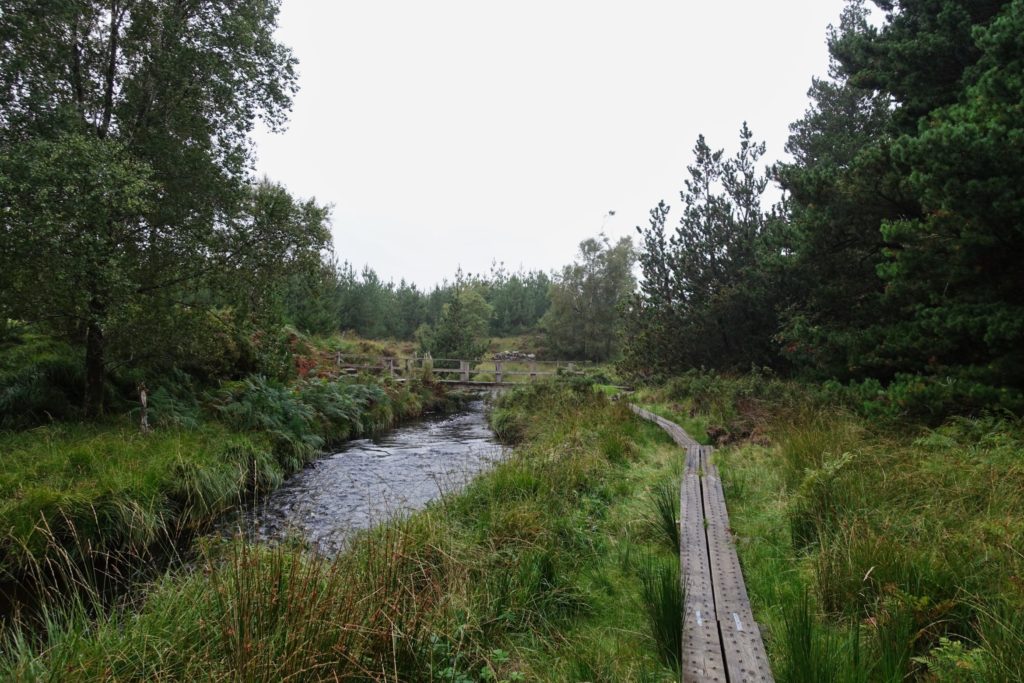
x: 41, y: 380
x: 665, y: 501
x: 516, y: 578
x: 662, y: 595
x: 905, y: 539
x: 107, y: 495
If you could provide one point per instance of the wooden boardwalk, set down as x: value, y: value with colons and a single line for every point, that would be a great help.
x: 721, y: 640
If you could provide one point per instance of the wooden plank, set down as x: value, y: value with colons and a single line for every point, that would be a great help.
x: 727, y: 647
x: 745, y: 656
x: 677, y: 433
x: 701, y: 649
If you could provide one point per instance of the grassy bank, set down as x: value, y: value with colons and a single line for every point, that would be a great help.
x: 558, y: 565
x: 874, y: 550
x: 78, y: 494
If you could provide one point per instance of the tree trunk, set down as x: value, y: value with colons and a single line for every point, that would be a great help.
x: 95, y: 368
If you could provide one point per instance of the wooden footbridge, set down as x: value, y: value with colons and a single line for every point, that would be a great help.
x: 455, y: 371
x: 721, y: 640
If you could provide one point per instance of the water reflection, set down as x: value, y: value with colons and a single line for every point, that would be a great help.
x: 369, y: 480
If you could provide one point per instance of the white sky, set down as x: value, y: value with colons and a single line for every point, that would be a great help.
x: 457, y: 132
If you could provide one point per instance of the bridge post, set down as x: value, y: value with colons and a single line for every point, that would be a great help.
x: 533, y: 371
x: 497, y: 372
x: 464, y: 370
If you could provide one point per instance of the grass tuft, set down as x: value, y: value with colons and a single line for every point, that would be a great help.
x: 665, y: 501
x: 662, y: 596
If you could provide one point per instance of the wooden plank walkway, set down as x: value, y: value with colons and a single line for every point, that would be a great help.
x: 721, y: 640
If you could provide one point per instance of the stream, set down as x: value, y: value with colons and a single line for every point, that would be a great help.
x: 367, y: 481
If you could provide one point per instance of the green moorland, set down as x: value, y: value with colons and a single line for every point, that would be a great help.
x: 873, y: 549
x: 558, y: 565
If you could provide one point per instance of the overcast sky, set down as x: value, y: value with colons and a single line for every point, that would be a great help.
x: 460, y: 132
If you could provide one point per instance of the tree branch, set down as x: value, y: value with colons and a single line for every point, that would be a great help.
x: 108, y: 94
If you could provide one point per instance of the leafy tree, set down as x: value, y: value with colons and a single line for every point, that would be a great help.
x: 904, y: 237
x: 918, y: 57
x: 411, y: 310
x: 309, y: 299
x: 705, y: 299
x: 842, y: 184
x: 584, y: 320
x: 957, y: 269
x: 461, y: 331
x: 519, y: 299
x: 125, y: 155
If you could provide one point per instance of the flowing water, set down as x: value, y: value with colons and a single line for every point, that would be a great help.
x: 369, y: 480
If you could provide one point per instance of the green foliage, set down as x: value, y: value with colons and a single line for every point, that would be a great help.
x: 841, y: 187
x: 894, y: 259
x: 665, y: 501
x: 125, y: 182
x: 907, y: 245
x: 869, y: 552
x: 663, y: 599
x: 84, y: 492
x: 256, y: 404
x: 41, y: 379
x: 460, y: 332
x: 584, y: 320
x: 97, y: 493
x: 520, y: 577
x: 704, y: 300
x: 336, y: 297
x: 519, y: 300
x: 303, y: 417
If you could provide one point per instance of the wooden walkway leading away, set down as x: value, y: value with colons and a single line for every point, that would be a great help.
x: 721, y: 640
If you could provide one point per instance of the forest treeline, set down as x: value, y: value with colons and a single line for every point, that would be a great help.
x: 134, y: 236
x: 896, y: 257
x: 338, y: 297
x: 577, y: 309
x: 136, y: 245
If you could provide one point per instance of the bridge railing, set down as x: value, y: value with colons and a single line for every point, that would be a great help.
x: 455, y: 370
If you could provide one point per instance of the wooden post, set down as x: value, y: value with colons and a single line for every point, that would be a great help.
x: 533, y: 371
x: 464, y: 370
x: 144, y: 415
x: 390, y: 365
x: 572, y: 367
x: 497, y: 372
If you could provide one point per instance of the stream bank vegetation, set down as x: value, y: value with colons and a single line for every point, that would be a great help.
x: 873, y: 549
x: 556, y: 565
x: 114, y: 500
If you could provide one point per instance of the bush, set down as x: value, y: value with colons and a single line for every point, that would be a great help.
x: 41, y: 379
x: 258, y: 404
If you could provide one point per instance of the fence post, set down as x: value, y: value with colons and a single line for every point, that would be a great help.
x: 464, y: 370
x: 533, y: 371
x: 497, y: 372
x: 144, y: 414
